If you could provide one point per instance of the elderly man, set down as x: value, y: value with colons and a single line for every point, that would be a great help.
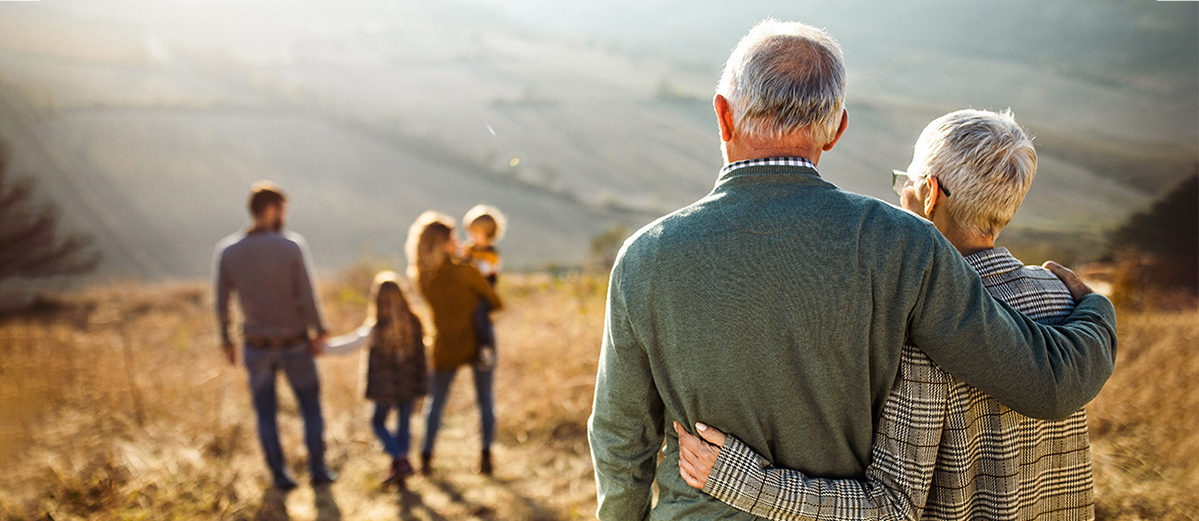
x: 268, y: 270
x: 942, y: 449
x: 780, y: 304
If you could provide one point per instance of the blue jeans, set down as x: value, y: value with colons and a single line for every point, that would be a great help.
x: 300, y: 367
x: 484, y: 329
x: 441, y: 391
x: 394, y: 444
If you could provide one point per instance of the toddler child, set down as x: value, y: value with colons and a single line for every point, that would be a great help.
x: 485, y: 226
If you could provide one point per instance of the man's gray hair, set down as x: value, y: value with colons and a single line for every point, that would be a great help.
x: 985, y: 159
x: 785, y: 77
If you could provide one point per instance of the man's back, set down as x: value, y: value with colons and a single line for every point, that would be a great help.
x: 268, y: 272
x: 764, y: 306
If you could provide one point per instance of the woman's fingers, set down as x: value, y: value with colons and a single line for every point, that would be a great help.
x: 687, y: 454
x: 690, y: 473
x: 710, y: 434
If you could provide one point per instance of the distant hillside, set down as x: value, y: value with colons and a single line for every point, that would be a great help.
x: 148, y: 122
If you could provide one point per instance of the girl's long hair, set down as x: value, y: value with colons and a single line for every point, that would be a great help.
x: 425, y: 248
x: 391, y: 319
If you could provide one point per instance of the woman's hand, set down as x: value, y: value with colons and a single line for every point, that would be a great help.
x: 697, y: 456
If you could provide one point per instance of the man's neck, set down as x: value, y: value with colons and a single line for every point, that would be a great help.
x: 261, y: 228
x: 738, y: 150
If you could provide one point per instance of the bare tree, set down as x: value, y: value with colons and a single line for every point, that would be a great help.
x: 31, y: 243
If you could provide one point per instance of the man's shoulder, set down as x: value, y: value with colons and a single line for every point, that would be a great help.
x: 289, y: 242
x: 879, y: 222
x: 229, y: 240
x: 663, y: 231
x: 878, y: 212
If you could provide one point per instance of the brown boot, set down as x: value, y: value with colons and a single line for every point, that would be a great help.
x: 393, y: 474
x: 426, y: 463
x: 403, y: 469
x: 485, y: 463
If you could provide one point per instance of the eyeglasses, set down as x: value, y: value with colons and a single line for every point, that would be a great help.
x: 899, y: 178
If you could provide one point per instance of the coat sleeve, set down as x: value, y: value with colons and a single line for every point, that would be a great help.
x: 349, y: 343
x: 903, y: 457
x: 1045, y: 372
x: 478, y: 284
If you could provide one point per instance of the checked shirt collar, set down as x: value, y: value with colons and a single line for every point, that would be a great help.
x: 768, y: 161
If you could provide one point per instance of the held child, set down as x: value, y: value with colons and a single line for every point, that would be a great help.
x: 396, y: 373
x: 485, y: 226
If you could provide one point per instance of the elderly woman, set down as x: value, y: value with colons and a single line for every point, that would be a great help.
x: 452, y: 290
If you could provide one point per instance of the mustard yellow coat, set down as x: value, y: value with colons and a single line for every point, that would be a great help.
x: 453, y: 293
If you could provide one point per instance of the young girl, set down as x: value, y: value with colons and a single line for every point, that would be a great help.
x: 396, y: 373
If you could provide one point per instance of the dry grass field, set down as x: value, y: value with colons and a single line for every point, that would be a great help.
x: 115, y: 404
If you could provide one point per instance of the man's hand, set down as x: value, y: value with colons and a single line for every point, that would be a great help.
x: 317, y: 345
x: 1078, y: 288
x: 697, y: 456
x: 230, y: 352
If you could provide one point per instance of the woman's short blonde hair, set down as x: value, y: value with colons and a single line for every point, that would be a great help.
x: 985, y: 159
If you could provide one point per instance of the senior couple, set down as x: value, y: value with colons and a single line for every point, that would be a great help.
x: 809, y: 353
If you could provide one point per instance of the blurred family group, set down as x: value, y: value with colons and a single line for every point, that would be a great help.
x: 786, y: 349
x: 449, y: 296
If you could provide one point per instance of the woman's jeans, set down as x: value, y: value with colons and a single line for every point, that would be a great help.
x: 441, y: 391
x: 300, y: 367
x: 394, y: 444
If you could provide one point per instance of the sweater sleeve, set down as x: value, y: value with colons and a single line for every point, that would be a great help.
x: 305, y: 287
x: 625, y: 429
x: 223, y: 288
x: 1045, y: 372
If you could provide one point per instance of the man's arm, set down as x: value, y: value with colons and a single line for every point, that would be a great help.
x: 1039, y: 371
x: 222, y: 290
x: 626, y: 425
x: 903, y: 457
x: 305, y: 288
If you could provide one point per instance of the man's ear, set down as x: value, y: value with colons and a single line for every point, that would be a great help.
x: 932, y: 196
x: 724, y: 117
x: 840, y: 130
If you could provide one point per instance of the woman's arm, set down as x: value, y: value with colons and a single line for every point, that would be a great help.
x: 479, y: 285
x: 346, y: 344
x: 897, y: 481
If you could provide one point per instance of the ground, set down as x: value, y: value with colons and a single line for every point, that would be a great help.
x: 116, y: 404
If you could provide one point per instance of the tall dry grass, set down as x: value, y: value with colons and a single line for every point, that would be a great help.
x: 116, y: 405
x: 1144, y: 425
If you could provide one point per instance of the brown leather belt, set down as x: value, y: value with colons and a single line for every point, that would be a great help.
x: 275, y: 344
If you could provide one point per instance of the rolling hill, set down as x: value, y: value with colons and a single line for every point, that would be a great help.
x: 147, y: 123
